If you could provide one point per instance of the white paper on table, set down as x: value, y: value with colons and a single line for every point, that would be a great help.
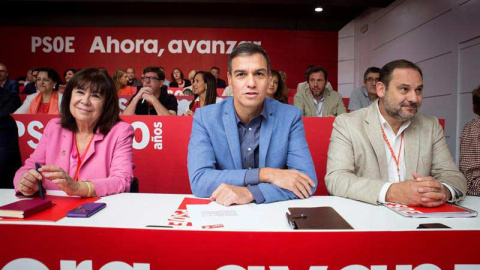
x: 216, y: 216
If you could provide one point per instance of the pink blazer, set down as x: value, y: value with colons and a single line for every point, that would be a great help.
x: 108, y: 163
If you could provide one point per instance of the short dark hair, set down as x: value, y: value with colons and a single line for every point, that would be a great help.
x: 211, y: 95
x: 387, y: 70
x: 476, y: 100
x: 52, y: 74
x: 370, y: 70
x: 160, y: 74
x: 315, y: 70
x: 247, y: 49
x: 98, y: 81
x: 307, y: 69
x: 217, y: 68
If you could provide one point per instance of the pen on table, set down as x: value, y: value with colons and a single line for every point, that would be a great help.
x: 159, y: 226
x: 40, y: 185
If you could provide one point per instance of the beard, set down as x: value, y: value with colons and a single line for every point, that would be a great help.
x: 400, y: 111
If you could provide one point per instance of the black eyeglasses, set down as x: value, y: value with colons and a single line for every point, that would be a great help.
x: 371, y: 80
x: 150, y: 78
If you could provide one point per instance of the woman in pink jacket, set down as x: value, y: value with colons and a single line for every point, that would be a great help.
x: 88, y: 151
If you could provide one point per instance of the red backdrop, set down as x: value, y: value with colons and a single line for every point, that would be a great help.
x: 187, y: 48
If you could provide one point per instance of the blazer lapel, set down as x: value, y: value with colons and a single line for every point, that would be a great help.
x: 66, y: 148
x: 91, y: 150
x: 412, y: 142
x: 266, y: 134
x: 231, y: 130
x: 327, y: 105
x: 373, y: 129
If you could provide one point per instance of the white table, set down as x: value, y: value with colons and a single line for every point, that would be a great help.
x: 119, y: 233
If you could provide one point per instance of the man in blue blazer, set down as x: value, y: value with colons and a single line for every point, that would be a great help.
x: 249, y: 148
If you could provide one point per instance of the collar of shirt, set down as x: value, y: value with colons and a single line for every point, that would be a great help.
x: 263, y: 113
x: 394, y: 140
x: 365, y: 91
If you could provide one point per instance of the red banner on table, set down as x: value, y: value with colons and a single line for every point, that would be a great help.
x: 61, y: 205
x: 112, y: 48
x: 160, y: 148
x: 25, y: 247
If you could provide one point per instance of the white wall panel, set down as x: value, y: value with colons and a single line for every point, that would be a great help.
x: 443, y: 107
x: 468, y: 20
x: 346, y: 48
x: 346, y: 72
x: 346, y: 89
x: 406, y: 17
x: 439, y: 75
x: 347, y: 31
x: 429, y: 40
x: 469, y: 66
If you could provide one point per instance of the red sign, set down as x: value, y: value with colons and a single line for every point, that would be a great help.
x: 160, y: 148
x: 186, y: 48
x: 66, y: 247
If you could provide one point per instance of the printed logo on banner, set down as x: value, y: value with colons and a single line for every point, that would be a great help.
x: 180, y: 217
x: 109, y: 45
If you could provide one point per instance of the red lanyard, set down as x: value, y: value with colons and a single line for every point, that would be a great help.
x: 397, y: 161
x: 79, y: 157
x: 319, y: 112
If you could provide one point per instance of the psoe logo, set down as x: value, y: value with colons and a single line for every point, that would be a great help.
x: 32, y: 264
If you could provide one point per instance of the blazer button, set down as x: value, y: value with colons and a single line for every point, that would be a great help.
x: 63, y: 153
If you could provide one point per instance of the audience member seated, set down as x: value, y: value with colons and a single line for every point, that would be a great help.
x: 470, y: 149
x: 205, y: 92
x: 187, y: 90
x: 47, y: 100
x: 24, y: 80
x: 9, y: 101
x: 131, y: 80
x: 390, y: 153
x: 319, y: 101
x: 276, y: 88
x: 229, y: 160
x: 177, y: 79
x: 166, y: 82
x: 88, y: 151
x: 67, y: 75
x: 363, y: 96
x: 120, y: 79
x: 5, y: 82
x: 303, y: 86
x: 31, y: 88
x: 10, y: 159
x: 216, y: 72
x: 153, y: 98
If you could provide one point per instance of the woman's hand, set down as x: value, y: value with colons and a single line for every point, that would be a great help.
x: 28, y: 183
x: 59, y: 177
x: 189, y: 113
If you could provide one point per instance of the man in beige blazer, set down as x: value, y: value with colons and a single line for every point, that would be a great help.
x: 319, y: 101
x: 388, y: 152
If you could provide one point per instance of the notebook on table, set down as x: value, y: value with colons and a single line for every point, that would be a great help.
x: 24, y: 208
x: 319, y: 218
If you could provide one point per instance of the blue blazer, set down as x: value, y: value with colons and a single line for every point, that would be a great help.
x: 214, y: 155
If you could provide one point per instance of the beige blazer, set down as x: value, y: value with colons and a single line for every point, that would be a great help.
x: 357, y: 165
x: 332, y: 105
